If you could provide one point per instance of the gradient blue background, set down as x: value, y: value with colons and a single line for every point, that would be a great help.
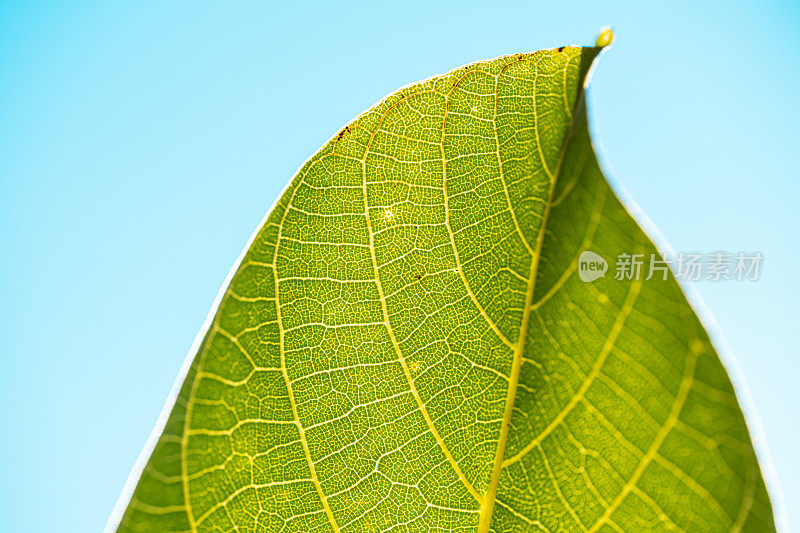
x: 140, y: 145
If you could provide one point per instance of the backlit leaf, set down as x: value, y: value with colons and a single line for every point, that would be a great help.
x: 407, y: 344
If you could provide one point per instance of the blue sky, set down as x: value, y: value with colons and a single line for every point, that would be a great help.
x: 141, y: 143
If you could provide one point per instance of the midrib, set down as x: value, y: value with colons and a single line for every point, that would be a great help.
x: 487, y: 506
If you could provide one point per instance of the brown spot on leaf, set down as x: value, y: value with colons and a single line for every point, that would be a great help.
x: 342, y: 133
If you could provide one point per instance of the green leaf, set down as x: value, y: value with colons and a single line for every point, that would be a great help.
x: 407, y: 345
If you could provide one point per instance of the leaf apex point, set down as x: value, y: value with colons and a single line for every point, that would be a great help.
x: 605, y: 37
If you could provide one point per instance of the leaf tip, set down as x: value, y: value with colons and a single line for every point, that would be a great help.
x: 605, y: 37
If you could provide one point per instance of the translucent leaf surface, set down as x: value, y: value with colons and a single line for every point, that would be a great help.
x: 407, y: 344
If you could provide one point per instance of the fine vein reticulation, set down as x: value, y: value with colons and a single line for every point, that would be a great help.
x: 407, y: 346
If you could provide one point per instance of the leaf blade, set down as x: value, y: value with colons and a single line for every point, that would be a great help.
x: 359, y: 365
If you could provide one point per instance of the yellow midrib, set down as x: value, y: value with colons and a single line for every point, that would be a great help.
x: 487, y: 507
x: 490, y: 497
